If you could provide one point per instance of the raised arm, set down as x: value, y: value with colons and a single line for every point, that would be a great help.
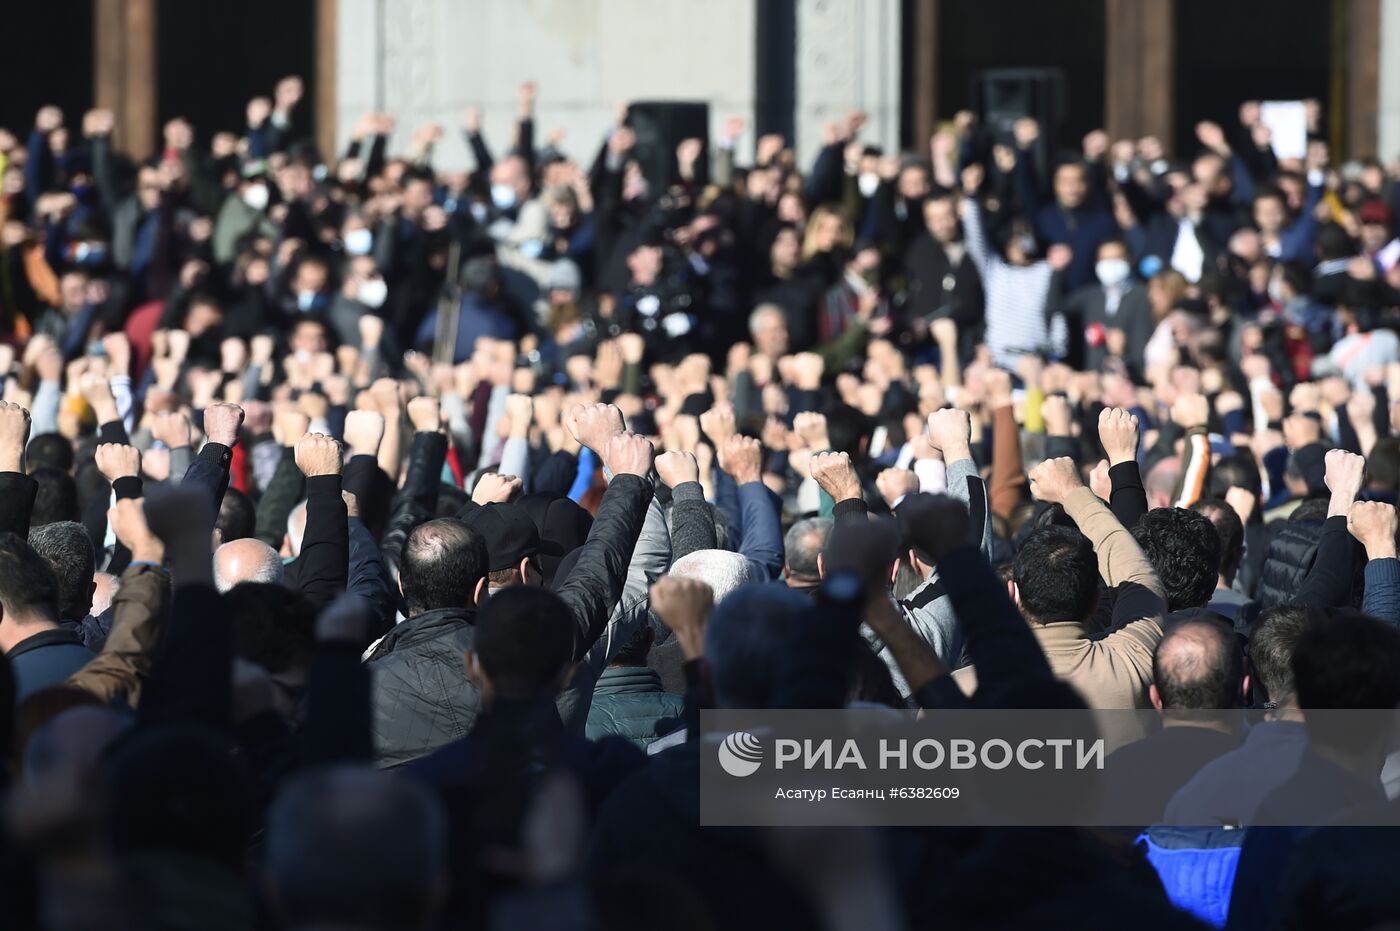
x: 325, y: 551
x: 1118, y: 432
x: 1328, y: 582
x: 742, y: 458
x: 210, y: 469
x: 1374, y: 524
x: 692, y: 521
x: 17, y: 490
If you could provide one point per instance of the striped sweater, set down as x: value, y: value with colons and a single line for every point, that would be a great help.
x: 1015, y: 295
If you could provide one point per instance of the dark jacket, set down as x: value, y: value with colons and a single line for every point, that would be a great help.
x: 416, y: 501
x: 1291, y: 554
x: 422, y: 698
x: 1087, y: 308
x: 628, y: 701
x: 321, y: 570
x: 938, y: 288
x: 47, y: 658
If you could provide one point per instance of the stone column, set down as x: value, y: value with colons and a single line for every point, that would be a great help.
x: 848, y: 57
x: 124, y: 70
x: 1389, y: 96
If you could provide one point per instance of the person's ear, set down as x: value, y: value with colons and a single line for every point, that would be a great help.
x: 821, y: 567
x: 1154, y: 696
x: 1246, y: 685
x: 479, y: 595
x: 1014, y: 592
x: 524, y: 569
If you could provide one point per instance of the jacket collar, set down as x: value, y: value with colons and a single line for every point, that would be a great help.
x: 425, y: 626
x: 1060, y: 632
x: 620, y: 680
x: 56, y: 636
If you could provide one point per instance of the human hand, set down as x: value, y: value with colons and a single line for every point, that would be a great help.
x: 1099, y: 482
x: 1025, y: 131
x: 594, y: 425
x: 289, y: 424
x: 221, y: 423
x: 1054, y: 479
x: 810, y: 428
x: 425, y: 413
x: 171, y: 428
x: 1118, y: 432
x: 118, y: 353
x: 97, y: 391
x: 936, y: 525
x: 128, y: 522
x: 836, y: 475
x: 629, y: 454
x: 675, y: 468
x: 318, y: 454
x: 117, y: 460
x: 894, y: 484
x: 683, y: 606
x: 520, y: 409
x: 1191, y: 411
x: 742, y: 458
x: 364, y: 431
x: 807, y: 369
x: 1345, y: 474
x: 14, y: 436
x: 950, y: 430
x: 1300, y: 430
x: 1055, y: 410
x: 998, y: 386
x: 1374, y: 524
x: 495, y: 488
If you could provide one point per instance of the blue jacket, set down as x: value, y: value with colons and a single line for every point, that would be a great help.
x: 47, y: 658
x: 1197, y: 867
x: 628, y: 702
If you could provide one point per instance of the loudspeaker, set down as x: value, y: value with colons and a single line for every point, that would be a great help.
x: 660, y: 126
x: 1001, y: 96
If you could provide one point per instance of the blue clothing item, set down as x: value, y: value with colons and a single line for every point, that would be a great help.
x: 762, y: 542
x: 1382, y: 598
x: 1296, y: 241
x: 1230, y: 789
x: 475, y: 320
x: 47, y: 658
x: 1197, y: 867
x: 583, y: 481
x: 367, y: 576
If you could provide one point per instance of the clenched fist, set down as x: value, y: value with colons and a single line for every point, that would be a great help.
x: 810, y: 427
x: 364, y: 431
x: 684, y: 606
x: 495, y: 488
x: 117, y: 460
x: 718, y: 424
x: 221, y: 423
x: 629, y: 454
x: 836, y: 475
x: 14, y: 435
x: 128, y: 522
x: 1054, y: 479
x: 594, y: 425
x: 425, y: 413
x: 894, y: 484
x: 1374, y: 524
x: 1118, y: 432
x: 950, y: 431
x: 1345, y: 474
x: 318, y: 454
x: 675, y: 468
x: 171, y: 428
x: 742, y: 458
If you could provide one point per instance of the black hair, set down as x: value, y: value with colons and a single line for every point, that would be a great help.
x: 1228, y: 528
x: 273, y: 625
x: 634, y: 651
x: 443, y: 560
x: 57, y: 498
x: 49, y: 449
x: 1184, y: 551
x: 237, y: 518
x: 524, y: 639
x: 846, y: 427
x: 1057, y: 575
x: 1202, y: 676
x: 1237, y: 470
x: 1351, y: 662
x: 1383, y: 464
x: 27, y: 581
x: 1333, y: 243
x: 1297, y: 276
x: 1272, y: 643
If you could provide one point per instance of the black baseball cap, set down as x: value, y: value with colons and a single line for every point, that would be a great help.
x: 509, y: 533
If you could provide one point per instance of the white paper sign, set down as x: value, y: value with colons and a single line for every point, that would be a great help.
x: 1288, y: 122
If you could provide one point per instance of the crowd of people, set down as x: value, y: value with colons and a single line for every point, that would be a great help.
x: 372, y: 536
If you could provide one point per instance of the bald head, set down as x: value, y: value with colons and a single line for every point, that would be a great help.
x: 1198, y: 667
x: 1161, y: 480
x: 246, y: 560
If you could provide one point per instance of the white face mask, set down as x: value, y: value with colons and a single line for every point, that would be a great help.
x: 256, y: 196
x: 1112, y: 272
x: 372, y: 293
x: 868, y: 182
x: 503, y: 196
x: 359, y: 242
x: 1276, y: 290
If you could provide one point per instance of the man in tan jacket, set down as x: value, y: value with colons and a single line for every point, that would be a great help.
x: 1055, y: 584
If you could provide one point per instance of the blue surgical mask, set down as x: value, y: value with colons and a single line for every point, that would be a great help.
x: 359, y: 242
x: 308, y: 300
x: 503, y: 196
x: 85, y: 253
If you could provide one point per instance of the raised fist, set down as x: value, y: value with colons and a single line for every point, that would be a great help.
x: 742, y: 458
x: 675, y: 468
x: 1053, y: 480
x: 117, y: 460
x: 629, y: 454
x: 425, y: 413
x: 221, y: 423
x: 836, y: 475
x: 364, y: 431
x: 318, y: 454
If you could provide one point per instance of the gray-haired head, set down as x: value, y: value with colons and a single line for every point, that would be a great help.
x: 802, y: 545
x: 722, y: 570
x: 744, y: 639
x: 67, y: 548
x: 246, y: 560
x: 355, y: 846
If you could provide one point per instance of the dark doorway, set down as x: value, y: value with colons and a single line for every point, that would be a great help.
x: 1065, y: 34
x: 215, y: 57
x: 1242, y: 50
x: 47, y: 60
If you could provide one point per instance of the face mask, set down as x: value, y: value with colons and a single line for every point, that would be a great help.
x: 358, y: 242
x: 1275, y: 290
x: 307, y: 300
x: 372, y: 293
x: 89, y: 253
x: 868, y: 182
x: 503, y: 196
x: 1111, y: 272
x: 255, y: 196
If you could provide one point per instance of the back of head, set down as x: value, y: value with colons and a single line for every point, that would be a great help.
x: 1198, y: 666
x: 1056, y: 575
x: 49, y: 451
x: 848, y: 429
x: 1272, y: 643
x: 1184, y: 550
x: 1351, y: 662
x: 524, y: 641
x: 28, y: 587
x: 67, y: 548
x: 273, y: 626
x: 1383, y: 465
x: 1228, y: 530
x: 1238, y: 470
x: 1160, y: 480
x: 354, y: 846
x: 180, y: 789
x: 746, y: 636
x: 246, y: 560
x: 802, y: 545
x: 57, y: 498
x: 722, y: 570
x: 237, y: 519
x: 443, y: 560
